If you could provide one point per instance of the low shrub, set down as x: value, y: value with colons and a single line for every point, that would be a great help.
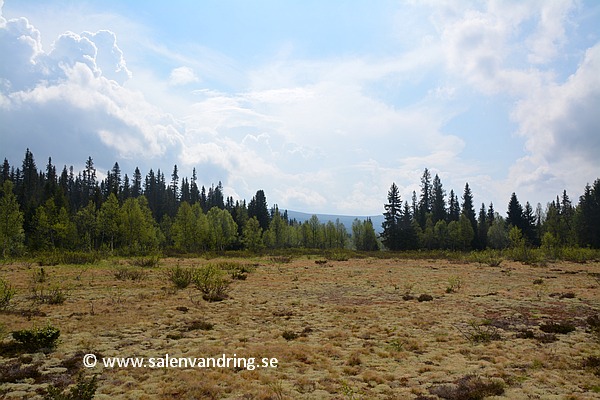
x: 48, y: 295
x: 201, y: 325
x: 481, y: 332
x: 592, y: 363
x: 14, y: 372
x: 289, y: 335
x: 469, y: 387
x: 454, y: 284
x: 36, y: 339
x: 425, y: 297
x: 6, y: 294
x: 180, y: 277
x: 68, y: 257
x: 133, y: 274
x: 561, y: 328
x: 84, y: 389
x: 150, y: 261
x: 210, y: 280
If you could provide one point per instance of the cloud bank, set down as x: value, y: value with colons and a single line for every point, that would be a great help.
x: 327, y: 134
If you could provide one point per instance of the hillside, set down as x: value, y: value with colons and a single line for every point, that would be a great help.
x: 344, y: 219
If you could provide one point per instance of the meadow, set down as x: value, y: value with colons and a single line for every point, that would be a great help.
x: 356, y: 328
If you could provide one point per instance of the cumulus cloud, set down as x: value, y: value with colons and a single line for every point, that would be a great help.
x: 72, y: 97
x: 182, y: 76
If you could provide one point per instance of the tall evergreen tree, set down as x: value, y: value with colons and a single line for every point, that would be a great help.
x: 425, y: 203
x: 438, y: 206
x: 257, y: 207
x: 12, y: 235
x: 469, y: 211
x: 392, y: 215
x: 515, y: 213
x: 587, y: 219
x: 453, y: 207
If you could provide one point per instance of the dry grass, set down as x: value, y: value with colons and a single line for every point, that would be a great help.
x: 343, y: 330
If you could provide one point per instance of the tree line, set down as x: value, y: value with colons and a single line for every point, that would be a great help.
x: 433, y: 221
x: 43, y: 210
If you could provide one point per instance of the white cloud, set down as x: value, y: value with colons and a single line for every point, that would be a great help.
x: 182, y: 76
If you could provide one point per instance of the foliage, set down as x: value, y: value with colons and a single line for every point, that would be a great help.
x: 7, y: 292
x: 84, y: 389
x: 149, y: 261
x: 211, y: 281
x: 180, y: 277
x: 35, y: 339
x: 133, y: 274
x: 12, y: 235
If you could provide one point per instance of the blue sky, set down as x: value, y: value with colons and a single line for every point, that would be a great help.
x: 322, y: 104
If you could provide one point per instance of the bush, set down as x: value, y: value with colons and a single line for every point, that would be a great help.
x: 425, y: 297
x: 180, y: 277
x: 68, y: 257
x: 33, y: 340
x: 6, y: 294
x: 85, y: 389
x: 469, y: 387
x: 150, y: 261
x: 561, y: 328
x: 51, y: 295
x: 211, y: 282
x: 133, y: 274
x: 289, y: 335
x: 481, y: 333
x: 14, y: 372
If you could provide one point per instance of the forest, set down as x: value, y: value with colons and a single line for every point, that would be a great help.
x: 42, y: 210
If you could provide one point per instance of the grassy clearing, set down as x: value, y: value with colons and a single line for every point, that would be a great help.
x: 345, y: 328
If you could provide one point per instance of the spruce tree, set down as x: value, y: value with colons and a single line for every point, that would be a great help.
x: 392, y: 216
x: 438, y: 206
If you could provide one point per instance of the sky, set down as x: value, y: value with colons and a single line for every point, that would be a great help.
x: 321, y: 104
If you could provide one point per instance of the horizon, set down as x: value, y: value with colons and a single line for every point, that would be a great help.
x: 320, y: 105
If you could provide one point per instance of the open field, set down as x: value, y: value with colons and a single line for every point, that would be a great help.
x: 350, y: 329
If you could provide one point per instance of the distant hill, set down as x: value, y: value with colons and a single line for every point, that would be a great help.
x: 344, y: 219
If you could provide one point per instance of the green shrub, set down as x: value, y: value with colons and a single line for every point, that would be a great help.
x: 6, y: 294
x: 133, y: 274
x: 35, y: 339
x: 150, y: 261
x: 48, y: 295
x: 211, y: 281
x: 84, y: 389
x: 180, y: 277
x: 68, y: 257
x: 483, y: 332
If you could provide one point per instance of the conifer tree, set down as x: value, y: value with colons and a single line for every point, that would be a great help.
x: 12, y: 235
x: 392, y: 215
